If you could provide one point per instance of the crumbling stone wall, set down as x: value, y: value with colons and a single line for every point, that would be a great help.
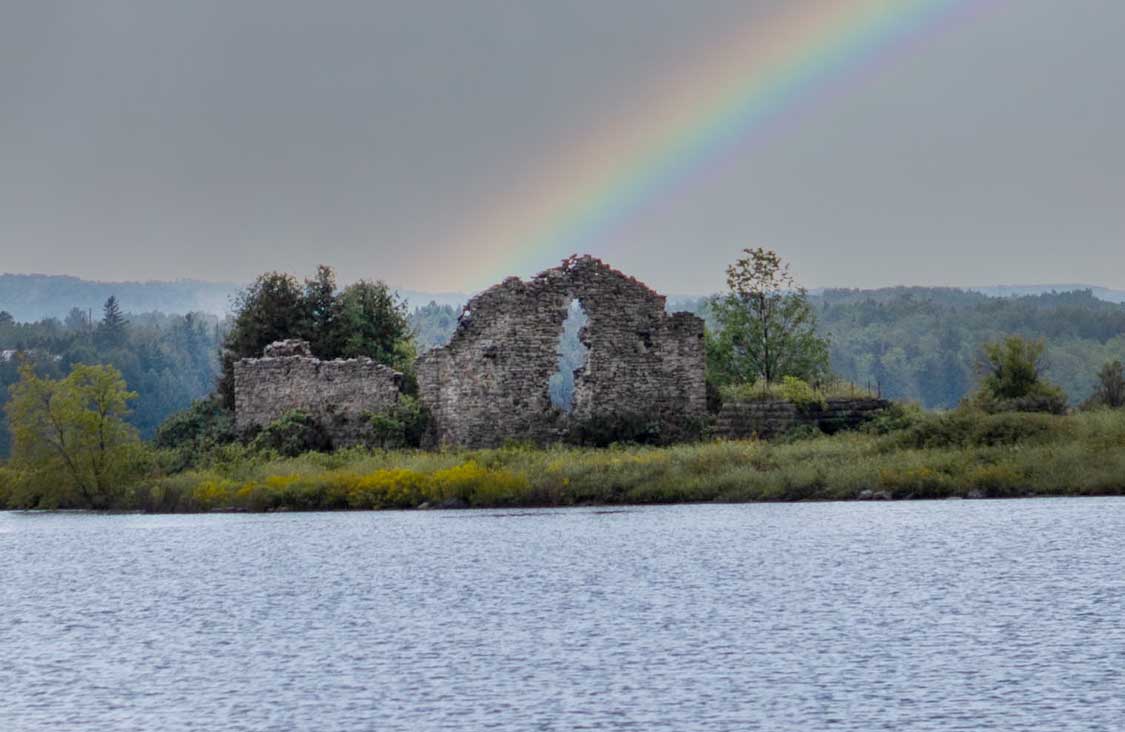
x: 490, y: 383
x: 773, y: 418
x: 339, y: 394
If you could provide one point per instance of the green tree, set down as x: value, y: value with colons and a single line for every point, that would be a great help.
x: 1013, y: 378
x: 70, y: 442
x: 1110, y: 391
x: 322, y: 326
x: 76, y: 320
x: 375, y: 324
x: 113, y: 330
x: 766, y: 325
x: 271, y: 309
x: 365, y: 319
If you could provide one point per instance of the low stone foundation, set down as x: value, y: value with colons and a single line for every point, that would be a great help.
x: 339, y: 394
x: 766, y: 419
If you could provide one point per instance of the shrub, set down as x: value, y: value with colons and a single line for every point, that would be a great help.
x: 758, y: 391
x: 477, y: 486
x: 895, y: 418
x: 1049, y: 400
x: 190, y: 434
x: 214, y: 493
x: 1110, y: 391
x: 791, y: 389
x: 603, y: 430
x: 1013, y: 379
x: 801, y: 394
x: 1012, y: 429
x: 404, y: 425
x: 203, y: 424
x: 965, y: 428
x: 800, y: 433
x: 292, y: 434
x: 389, y: 488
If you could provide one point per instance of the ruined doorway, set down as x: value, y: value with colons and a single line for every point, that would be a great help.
x: 572, y: 355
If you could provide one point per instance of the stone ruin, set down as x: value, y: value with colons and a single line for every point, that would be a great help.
x: 339, y: 394
x: 489, y: 385
x: 742, y: 420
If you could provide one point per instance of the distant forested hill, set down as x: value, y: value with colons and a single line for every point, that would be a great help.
x: 31, y: 297
x: 1102, y: 293
x: 169, y: 360
x: 923, y: 344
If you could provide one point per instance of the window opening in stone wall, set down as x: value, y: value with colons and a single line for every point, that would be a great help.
x: 572, y: 354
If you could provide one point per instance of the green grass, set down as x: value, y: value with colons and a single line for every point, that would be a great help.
x: 794, y: 390
x: 957, y: 454
x: 934, y: 456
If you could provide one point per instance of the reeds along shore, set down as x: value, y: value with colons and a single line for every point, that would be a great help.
x: 904, y: 455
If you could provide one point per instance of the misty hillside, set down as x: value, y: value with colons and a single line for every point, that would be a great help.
x: 31, y: 297
x: 35, y: 296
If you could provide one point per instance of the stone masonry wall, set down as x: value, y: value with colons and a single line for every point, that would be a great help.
x: 766, y: 419
x: 338, y: 394
x: 490, y: 383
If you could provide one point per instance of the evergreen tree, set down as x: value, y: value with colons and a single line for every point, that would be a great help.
x: 322, y: 314
x: 271, y: 309
x: 366, y: 319
x: 113, y: 329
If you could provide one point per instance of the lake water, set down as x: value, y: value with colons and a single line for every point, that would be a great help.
x: 952, y: 615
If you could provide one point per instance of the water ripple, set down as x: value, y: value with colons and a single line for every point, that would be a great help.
x: 952, y: 615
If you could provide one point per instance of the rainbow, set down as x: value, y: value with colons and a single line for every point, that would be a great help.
x: 692, y: 119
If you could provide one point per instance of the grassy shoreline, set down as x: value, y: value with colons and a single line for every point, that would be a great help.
x: 928, y: 456
x: 911, y: 455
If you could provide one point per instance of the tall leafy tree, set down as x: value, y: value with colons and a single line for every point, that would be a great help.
x: 375, y: 324
x: 271, y: 309
x: 70, y: 441
x: 766, y: 325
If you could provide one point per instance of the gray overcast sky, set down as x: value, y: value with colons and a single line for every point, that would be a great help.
x: 219, y: 138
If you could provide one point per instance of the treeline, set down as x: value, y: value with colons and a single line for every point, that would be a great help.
x: 168, y: 360
x: 913, y: 344
x: 171, y: 361
x: 926, y: 345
